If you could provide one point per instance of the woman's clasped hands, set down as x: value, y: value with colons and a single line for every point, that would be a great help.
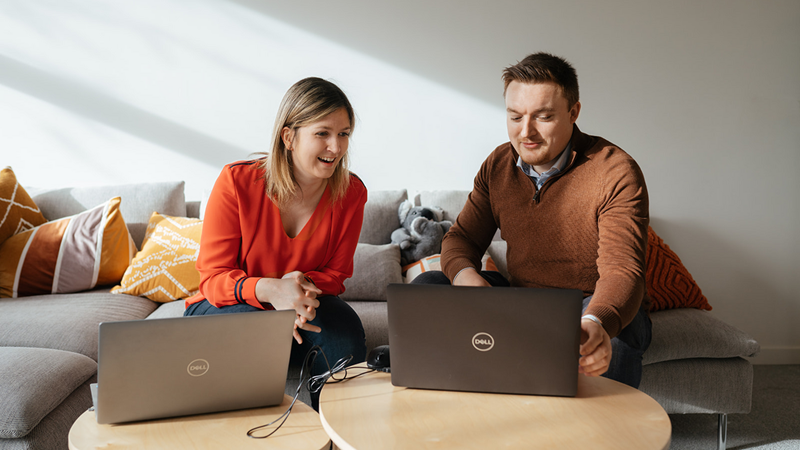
x: 292, y: 291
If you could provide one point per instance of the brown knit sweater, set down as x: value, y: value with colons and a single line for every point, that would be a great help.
x: 585, y: 229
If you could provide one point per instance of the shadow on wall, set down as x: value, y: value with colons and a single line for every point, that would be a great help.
x: 83, y: 100
x: 732, y: 280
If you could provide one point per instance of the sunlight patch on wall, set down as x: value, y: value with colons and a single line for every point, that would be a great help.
x: 212, y: 72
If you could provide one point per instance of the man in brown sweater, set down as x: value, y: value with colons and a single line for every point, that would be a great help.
x: 573, y: 209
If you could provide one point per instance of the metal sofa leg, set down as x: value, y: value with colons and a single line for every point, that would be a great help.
x: 722, y: 432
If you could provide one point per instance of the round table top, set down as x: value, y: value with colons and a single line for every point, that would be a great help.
x: 302, y: 430
x: 370, y: 413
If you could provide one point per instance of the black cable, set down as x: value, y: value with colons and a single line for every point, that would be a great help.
x: 314, y: 384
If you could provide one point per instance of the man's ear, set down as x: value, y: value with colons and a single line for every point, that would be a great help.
x: 574, y: 112
x: 287, y: 134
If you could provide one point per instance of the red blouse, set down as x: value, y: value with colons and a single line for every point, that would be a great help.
x: 243, y: 239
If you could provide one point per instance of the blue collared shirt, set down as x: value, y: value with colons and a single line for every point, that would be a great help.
x: 538, y: 178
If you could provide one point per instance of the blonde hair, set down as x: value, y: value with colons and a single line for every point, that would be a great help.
x: 306, y: 102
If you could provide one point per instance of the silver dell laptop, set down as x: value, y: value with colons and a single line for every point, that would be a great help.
x: 485, y: 339
x: 151, y: 369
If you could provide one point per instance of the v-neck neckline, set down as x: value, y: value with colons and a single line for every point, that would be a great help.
x: 313, y: 219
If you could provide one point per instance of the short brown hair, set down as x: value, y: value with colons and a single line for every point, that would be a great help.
x: 306, y: 102
x: 542, y: 67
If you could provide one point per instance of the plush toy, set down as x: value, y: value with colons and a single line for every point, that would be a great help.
x: 421, y: 232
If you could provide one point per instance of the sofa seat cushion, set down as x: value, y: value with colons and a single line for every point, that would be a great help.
x: 66, y: 321
x: 693, y: 333
x: 700, y: 385
x: 168, y: 310
x: 36, y: 381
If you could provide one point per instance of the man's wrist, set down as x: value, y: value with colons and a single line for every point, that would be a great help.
x: 593, y: 318
x: 461, y: 272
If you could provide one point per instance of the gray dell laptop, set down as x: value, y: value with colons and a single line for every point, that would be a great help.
x: 485, y: 339
x: 151, y: 369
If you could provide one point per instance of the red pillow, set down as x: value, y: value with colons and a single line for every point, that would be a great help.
x: 669, y: 284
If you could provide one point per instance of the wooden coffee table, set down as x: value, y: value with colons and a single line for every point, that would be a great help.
x: 369, y: 413
x: 206, y: 431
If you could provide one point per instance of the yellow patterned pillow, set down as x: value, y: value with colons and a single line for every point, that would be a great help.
x: 71, y: 254
x: 18, y: 212
x: 164, y: 270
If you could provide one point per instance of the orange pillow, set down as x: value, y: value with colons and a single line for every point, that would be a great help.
x: 164, y: 270
x: 71, y: 254
x: 669, y: 284
x: 433, y: 262
x: 18, y: 212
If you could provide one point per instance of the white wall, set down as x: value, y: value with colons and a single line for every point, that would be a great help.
x: 705, y: 95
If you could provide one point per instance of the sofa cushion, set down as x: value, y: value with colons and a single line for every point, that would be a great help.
x: 35, y: 381
x: 374, y: 267
x: 451, y: 202
x: 66, y: 322
x: 71, y: 254
x: 692, y: 333
x: 669, y: 283
x: 374, y: 317
x: 139, y: 201
x: 18, y: 212
x: 164, y: 270
x: 700, y: 385
x: 380, y: 216
x: 168, y: 310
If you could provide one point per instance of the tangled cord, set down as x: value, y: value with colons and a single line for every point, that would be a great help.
x: 314, y: 384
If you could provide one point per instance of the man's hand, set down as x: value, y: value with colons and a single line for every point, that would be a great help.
x: 292, y: 291
x: 595, y: 349
x: 470, y: 277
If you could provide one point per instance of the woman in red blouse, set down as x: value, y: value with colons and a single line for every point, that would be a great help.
x: 280, y: 232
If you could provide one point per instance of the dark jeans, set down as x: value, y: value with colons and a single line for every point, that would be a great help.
x: 626, y: 349
x: 342, y: 333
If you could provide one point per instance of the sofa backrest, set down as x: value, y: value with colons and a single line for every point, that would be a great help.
x: 138, y: 202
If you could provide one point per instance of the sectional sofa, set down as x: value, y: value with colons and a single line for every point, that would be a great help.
x: 48, y: 343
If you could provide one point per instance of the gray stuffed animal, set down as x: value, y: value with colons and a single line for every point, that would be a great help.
x: 421, y: 231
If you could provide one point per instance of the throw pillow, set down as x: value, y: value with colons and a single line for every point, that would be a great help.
x: 164, y: 270
x: 374, y: 268
x: 72, y: 254
x: 669, y: 283
x: 434, y: 262
x: 18, y: 212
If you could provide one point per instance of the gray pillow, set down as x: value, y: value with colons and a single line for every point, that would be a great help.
x: 139, y: 202
x: 375, y: 266
x: 35, y: 381
x: 380, y: 216
x: 693, y: 333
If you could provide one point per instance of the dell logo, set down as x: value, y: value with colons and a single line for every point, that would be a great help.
x: 198, y: 367
x: 483, y: 342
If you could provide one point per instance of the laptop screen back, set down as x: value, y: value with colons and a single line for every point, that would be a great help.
x: 157, y: 368
x: 493, y: 339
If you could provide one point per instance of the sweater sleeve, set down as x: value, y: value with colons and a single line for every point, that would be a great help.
x: 222, y: 280
x: 347, y: 220
x: 467, y: 240
x: 622, y: 223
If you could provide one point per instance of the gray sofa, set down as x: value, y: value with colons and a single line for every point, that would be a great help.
x: 48, y: 343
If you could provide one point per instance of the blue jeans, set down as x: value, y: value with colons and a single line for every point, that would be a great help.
x: 626, y: 349
x: 342, y: 333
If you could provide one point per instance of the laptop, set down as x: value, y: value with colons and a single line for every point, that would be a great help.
x: 507, y: 340
x: 158, y: 368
